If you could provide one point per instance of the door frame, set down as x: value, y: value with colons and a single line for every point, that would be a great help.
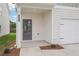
x: 22, y: 27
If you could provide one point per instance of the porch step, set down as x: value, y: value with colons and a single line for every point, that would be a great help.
x: 31, y: 43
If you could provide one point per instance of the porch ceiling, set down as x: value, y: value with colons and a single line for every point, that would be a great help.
x: 33, y: 10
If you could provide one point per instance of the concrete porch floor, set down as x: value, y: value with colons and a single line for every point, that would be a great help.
x: 31, y: 48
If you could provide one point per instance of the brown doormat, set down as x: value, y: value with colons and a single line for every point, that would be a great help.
x: 52, y: 46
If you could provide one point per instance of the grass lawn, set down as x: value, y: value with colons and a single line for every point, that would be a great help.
x: 7, y: 41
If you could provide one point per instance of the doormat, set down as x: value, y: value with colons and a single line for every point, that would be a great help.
x: 52, y: 46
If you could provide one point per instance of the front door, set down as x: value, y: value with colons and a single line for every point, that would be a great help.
x: 27, y: 29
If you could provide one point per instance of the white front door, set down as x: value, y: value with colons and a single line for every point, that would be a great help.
x: 69, y: 31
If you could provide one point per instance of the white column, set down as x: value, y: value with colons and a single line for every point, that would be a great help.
x: 18, y: 28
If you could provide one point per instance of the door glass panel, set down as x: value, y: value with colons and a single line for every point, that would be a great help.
x: 27, y: 26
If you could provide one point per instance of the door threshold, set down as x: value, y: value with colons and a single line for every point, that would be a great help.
x: 30, y: 40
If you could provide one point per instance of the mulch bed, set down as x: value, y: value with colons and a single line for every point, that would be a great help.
x: 52, y: 46
x: 13, y: 52
x: 7, y: 45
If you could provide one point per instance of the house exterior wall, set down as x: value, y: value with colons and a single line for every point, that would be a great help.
x: 61, y: 14
x: 48, y: 17
x: 4, y: 19
x: 37, y: 24
x: 41, y: 23
x: 47, y: 24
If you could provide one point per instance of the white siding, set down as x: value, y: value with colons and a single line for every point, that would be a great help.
x: 71, y: 15
x: 4, y: 19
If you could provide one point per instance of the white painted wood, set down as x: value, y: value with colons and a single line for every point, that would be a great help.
x: 4, y: 19
x: 18, y: 29
x: 65, y: 7
x: 69, y: 31
x: 48, y: 26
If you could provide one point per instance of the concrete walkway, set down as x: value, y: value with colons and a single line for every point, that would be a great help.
x: 70, y: 50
